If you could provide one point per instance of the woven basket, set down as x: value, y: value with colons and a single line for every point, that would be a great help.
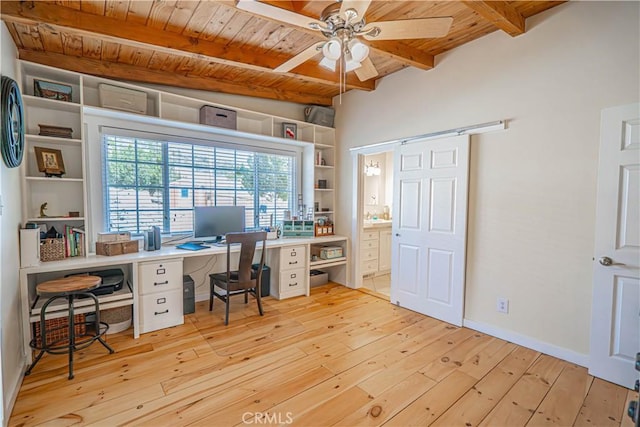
x: 58, y: 329
x: 52, y: 249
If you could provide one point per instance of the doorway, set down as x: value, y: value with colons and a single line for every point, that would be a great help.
x: 376, y: 200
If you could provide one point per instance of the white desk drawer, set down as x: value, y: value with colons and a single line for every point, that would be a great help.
x: 161, y: 310
x: 369, y: 235
x: 369, y: 254
x: 292, y: 257
x: 368, y: 267
x: 160, y: 276
x: 293, y: 282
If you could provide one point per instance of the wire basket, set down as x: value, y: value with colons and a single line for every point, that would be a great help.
x: 52, y: 249
x: 58, y: 329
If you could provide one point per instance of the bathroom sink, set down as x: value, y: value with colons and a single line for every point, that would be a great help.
x: 368, y: 223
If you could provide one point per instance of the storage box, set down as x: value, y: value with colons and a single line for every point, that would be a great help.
x: 327, y: 252
x: 318, y: 278
x: 114, y: 236
x: 116, y: 248
x: 120, y: 98
x: 298, y: 228
x: 319, y: 115
x: 220, y: 117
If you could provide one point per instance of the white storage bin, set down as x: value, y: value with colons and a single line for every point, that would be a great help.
x: 120, y: 98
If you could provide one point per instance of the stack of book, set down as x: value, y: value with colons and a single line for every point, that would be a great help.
x: 73, y: 241
x: 56, y: 131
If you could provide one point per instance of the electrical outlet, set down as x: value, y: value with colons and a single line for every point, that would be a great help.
x: 502, y: 305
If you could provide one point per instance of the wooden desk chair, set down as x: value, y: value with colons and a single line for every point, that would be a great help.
x: 245, y: 279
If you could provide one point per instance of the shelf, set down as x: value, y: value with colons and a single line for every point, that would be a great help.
x: 53, y: 104
x: 324, y: 166
x: 323, y: 213
x: 53, y: 179
x: 53, y: 140
x: 323, y: 189
x: 328, y: 262
x: 56, y: 218
x: 59, y: 308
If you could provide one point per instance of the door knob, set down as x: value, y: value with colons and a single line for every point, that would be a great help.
x: 606, y: 261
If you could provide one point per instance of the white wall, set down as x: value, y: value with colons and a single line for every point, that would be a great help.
x: 532, y: 187
x: 11, y: 335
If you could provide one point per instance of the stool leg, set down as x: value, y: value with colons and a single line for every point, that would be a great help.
x: 96, y: 304
x: 43, y: 334
x: 72, y: 335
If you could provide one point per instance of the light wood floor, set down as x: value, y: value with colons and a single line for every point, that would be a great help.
x: 339, y: 357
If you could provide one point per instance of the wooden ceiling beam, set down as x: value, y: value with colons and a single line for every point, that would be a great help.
x: 114, y: 30
x: 501, y: 14
x: 403, y: 53
x: 145, y: 75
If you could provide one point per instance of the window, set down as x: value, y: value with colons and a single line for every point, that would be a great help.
x: 150, y: 182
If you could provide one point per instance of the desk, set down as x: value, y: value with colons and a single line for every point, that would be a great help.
x: 130, y: 263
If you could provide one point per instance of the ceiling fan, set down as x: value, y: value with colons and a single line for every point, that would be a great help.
x: 343, y: 24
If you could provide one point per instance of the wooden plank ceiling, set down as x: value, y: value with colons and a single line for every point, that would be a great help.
x: 212, y: 45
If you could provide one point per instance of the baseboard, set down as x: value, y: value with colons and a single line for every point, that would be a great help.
x: 12, y: 395
x: 529, y: 342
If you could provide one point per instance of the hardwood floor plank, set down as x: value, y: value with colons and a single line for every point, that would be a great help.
x: 334, y: 410
x: 478, y: 402
x: 389, y: 403
x: 338, y: 357
x: 562, y: 403
x: 521, y: 402
x: 602, y: 406
x: 429, y: 406
x: 401, y: 364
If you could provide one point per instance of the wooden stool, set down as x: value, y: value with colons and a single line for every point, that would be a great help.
x: 69, y: 288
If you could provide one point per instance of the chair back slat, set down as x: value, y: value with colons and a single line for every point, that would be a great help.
x: 248, y: 243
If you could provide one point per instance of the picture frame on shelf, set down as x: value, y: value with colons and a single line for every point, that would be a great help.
x: 290, y: 131
x: 52, y: 90
x: 49, y: 161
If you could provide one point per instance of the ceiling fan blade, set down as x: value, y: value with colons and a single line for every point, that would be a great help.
x: 277, y: 13
x: 303, y: 56
x: 366, y: 70
x: 422, y: 28
x: 359, y: 6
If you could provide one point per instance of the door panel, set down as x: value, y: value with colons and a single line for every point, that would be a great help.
x: 615, y: 315
x: 439, y: 277
x: 429, y: 228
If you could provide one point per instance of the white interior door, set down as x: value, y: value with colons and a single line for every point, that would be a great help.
x: 429, y: 227
x: 615, y: 317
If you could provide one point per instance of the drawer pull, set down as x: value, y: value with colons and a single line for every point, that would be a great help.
x: 161, y: 312
x: 293, y: 284
x: 166, y: 282
x: 293, y: 262
x: 161, y: 271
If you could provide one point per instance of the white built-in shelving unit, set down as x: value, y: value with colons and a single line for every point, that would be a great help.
x: 69, y: 193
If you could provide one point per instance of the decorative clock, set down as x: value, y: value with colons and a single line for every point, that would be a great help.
x: 12, y: 144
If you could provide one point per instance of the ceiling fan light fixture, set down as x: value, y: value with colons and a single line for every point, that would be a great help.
x: 329, y: 64
x: 359, y: 51
x: 332, y: 49
x: 350, y: 64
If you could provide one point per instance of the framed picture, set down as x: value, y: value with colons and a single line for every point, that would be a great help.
x: 49, y: 161
x: 52, y: 90
x: 289, y: 131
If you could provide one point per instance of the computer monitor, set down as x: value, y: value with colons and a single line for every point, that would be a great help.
x: 212, y: 223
